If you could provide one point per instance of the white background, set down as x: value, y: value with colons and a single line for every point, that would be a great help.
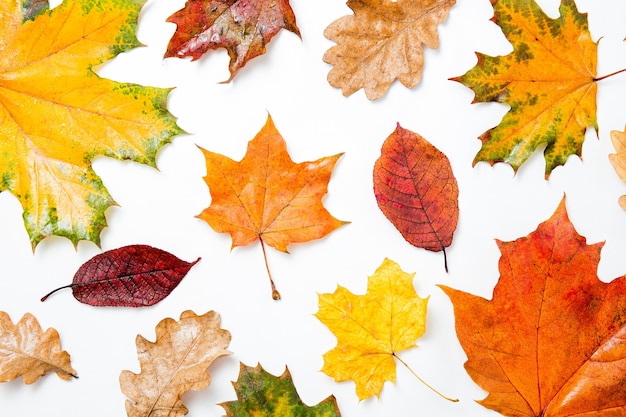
x: 157, y: 207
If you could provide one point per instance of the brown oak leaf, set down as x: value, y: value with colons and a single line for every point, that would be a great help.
x: 619, y: 159
x: 552, y: 341
x: 242, y: 27
x: 29, y: 352
x: 382, y: 42
x: 175, y: 363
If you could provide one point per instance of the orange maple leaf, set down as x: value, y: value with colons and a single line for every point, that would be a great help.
x: 552, y: 341
x: 268, y: 197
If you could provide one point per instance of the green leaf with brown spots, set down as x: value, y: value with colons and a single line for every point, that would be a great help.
x: 549, y: 80
x: 57, y: 114
x: 261, y: 394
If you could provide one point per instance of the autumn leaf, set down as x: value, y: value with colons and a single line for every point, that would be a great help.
x: 174, y: 364
x: 57, y: 114
x: 372, y: 329
x: 549, y: 80
x: 29, y: 352
x: 619, y: 159
x: 262, y: 394
x: 267, y: 197
x: 381, y: 42
x: 130, y: 276
x: 551, y: 341
x: 242, y: 27
x: 416, y: 190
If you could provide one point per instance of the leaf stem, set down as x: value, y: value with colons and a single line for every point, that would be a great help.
x: 275, y: 293
x: 454, y: 400
x: 45, y: 297
x: 609, y: 75
x: 445, y: 259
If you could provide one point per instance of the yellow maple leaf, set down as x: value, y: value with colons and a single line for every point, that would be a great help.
x: 383, y: 41
x: 56, y: 114
x: 372, y: 328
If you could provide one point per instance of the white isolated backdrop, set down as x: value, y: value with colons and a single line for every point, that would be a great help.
x: 158, y: 208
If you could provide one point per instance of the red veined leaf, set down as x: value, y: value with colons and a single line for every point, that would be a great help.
x: 416, y: 190
x: 130, y: 276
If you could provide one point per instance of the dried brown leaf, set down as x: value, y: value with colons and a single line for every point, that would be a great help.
x: 619, y: 159
x: 29, y: 352
x: 382, y: 42
x: 175, y: 363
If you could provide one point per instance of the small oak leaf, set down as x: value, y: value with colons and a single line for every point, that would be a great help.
x: 619, y: 159
x: 176, y: 362
x: 381, y: 42
x: 29, y: 352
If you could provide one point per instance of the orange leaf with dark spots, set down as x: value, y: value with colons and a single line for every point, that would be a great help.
x: 267, y: 197
x: 416, y: 190
x: 552, y: 341
x: 242, y: 27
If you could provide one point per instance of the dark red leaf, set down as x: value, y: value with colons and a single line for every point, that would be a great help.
x: 130, y: 276
x: 416, y: 190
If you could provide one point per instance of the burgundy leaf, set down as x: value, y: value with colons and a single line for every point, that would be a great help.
x: 416, y: 190
x: 130, y: 276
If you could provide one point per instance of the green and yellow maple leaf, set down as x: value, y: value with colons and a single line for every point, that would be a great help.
x: 549, y: 80
x: 262, y: 394
x: 57, y: 114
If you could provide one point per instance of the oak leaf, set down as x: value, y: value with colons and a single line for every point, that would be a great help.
x: 57, y: 114
x: 372, y: 328
x: 416, y: 190
x: 381, y: 42
x: 262, y: 394
x: 130, y: 276
x: 549, y: 80
x: 552, y: 340
x: 267, y: 197
x: 242, y: 27
x: 175, y: 363
x: 619, y: 159
x: 29, y: 352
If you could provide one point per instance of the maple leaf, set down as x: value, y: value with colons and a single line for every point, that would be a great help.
x: 549, y: 80
x: 27, y: 351
x: 130, y: 276
x: 242, y: 27
x: 381, y: 42
x: 260, y: 393
x: 175, y: 363
x: 551, y: 341
x: 619, y: 159
x: 371, y: 329
x: 267, y: 197
x: 57, y: 115
x: 416, y: 190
